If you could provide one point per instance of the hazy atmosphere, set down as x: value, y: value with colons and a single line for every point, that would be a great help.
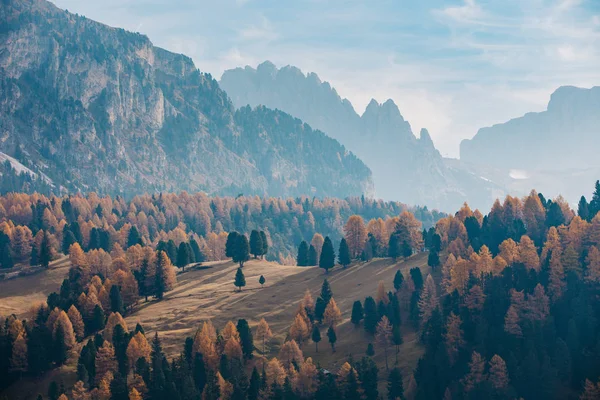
x: 451, y: 66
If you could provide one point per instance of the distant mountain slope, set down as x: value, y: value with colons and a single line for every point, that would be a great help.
x: 565, y: 136
x: 405, y: 168
x: 98, y: 108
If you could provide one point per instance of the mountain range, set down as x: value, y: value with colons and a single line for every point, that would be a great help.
x: 87, y: 107
x: 95, y: 108
x: 404, y: 166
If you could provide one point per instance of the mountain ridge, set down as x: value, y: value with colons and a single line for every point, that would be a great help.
x: 405, y: 167
x: 572, y: 112
x: 99, y: 108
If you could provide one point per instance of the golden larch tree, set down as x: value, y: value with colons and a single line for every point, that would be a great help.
x: 476, y: 372
x: 299, y: 330
x: 64, y: 322
x: 528, y: 253
x: 509, y: 251
x: 105, y: 362
x: 592, y: 274
x: 263, y: 332
x: 137, y: 348
x: 232, y: 349
x: 290, y: 353
x: 459, y: 275
x: 428, y: 301
x: 556, y: 280
x: 475, y: 298
x: 454, y: 337
x: 135, y: 395
x: 205, y: 344
x: 317, y: 242
x: 381, y: 294
x: 383, y: 336
x: 275, y: 372
x: 230, y: 331
x: 332, y: 315
x: 79, y: 392
x: 18, y: 361
x: 306, y: 382
x: 355, y: 233
x: 77, y: 322
x: 498, y: 373
x: 114, y: 319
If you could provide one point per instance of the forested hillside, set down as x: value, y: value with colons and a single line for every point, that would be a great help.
x: 506, y: 307
x: 96, y: 108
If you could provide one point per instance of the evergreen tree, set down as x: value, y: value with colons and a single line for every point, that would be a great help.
x: 231, y: 244
x: 394, y: 248
x: 302, y: 258
x: 256, y: 245
x: 326, y: 292
x: 265, y: 243
x: 45, y: 255
x: 240, y: 280
x: 331, y: 335
x: 199, y: 372
x: 371, y: 315
x: 254, y: 386
x: 398, y: 280
x: 246, y: 340
x: 407, y: 250
x: 98, y: 319
x: 68, y: 240
x: 116, y: 301
x: 35, y: 256
x: 118, y: 388
x: 417, y: 278
x: 312, y: 256
x: 370, y: 350
x: 261, y: 280
x: 134, y: 237
x: 433, y: 259
x: 198, y: 256
x: 171, y: 251
x: 357, y: 313
x: 183, y: 255
x: 395, y: 386
x: 594, y: 205
x: 242, y: 250
x: 157, y: 387
x: 327, y: 259
x: 6, y: 260
x: 583, y: 209
x: 316, y: 337
x: 344, y: 253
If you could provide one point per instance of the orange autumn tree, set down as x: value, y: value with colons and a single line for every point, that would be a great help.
x: 355, y: 233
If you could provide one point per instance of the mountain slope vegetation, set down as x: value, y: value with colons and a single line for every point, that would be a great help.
x: 96, y: 108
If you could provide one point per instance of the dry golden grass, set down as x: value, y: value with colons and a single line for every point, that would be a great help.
x: 19, y: 294
x: 208, y: 293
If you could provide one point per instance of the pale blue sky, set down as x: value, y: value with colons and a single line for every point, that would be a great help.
x: 451, y: 66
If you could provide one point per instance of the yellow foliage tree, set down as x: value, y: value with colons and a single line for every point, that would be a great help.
x: 77, y: 322
x: 290, y: 353
x: 138, y: 348
x: 299, y: 330
x: 355, y: 233
x: 114, y: 319
x: 528, y: 253
x: 263, y: 332
x: 332, y: 315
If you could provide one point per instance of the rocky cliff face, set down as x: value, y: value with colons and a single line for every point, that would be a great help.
x: 98, y: 108
x: 562, y: 137
x: 405, y: 168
